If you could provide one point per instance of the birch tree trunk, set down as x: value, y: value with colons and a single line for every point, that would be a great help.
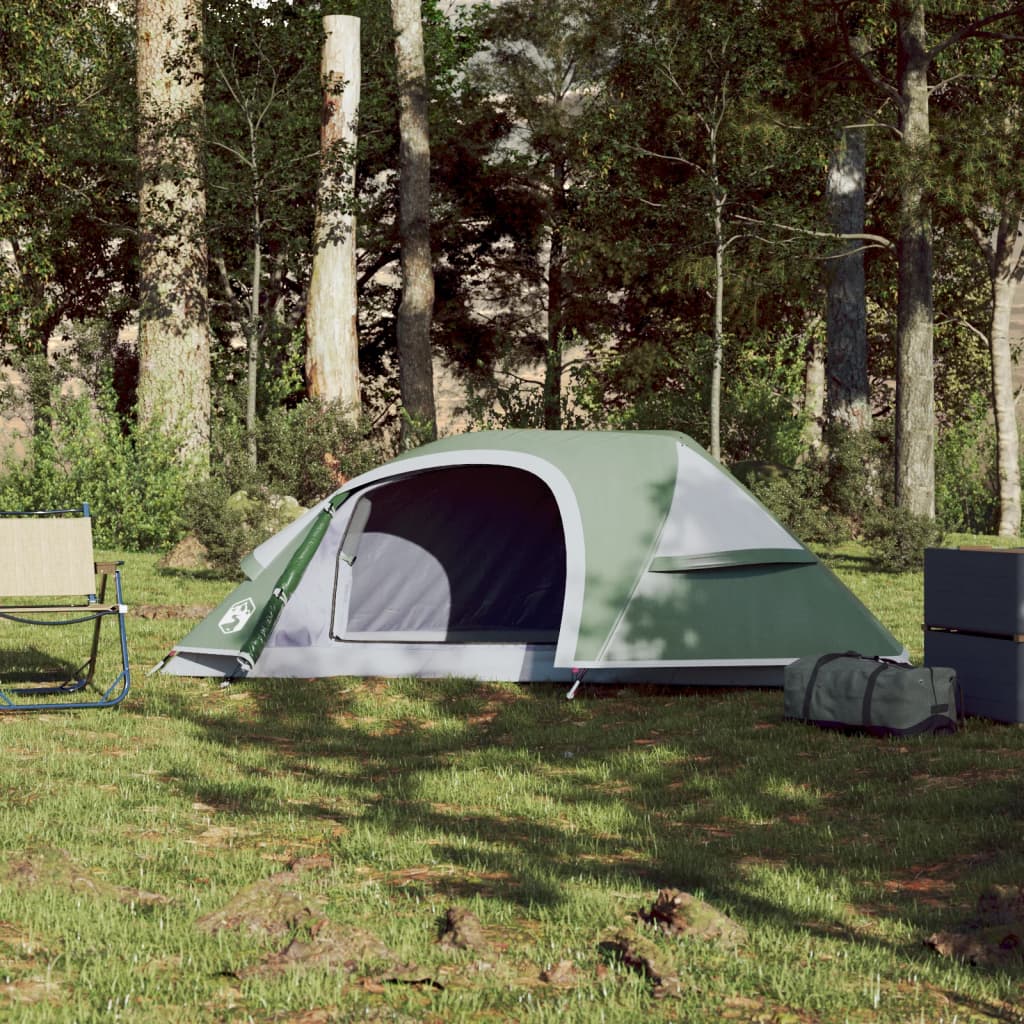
x: 846, y: 355
x: 814, y: 391
x: 719, y: 329
x: 332, y: 342
x: 415, y: 365
x: 915, y: 371
x: 553, y: 363
x: 1003, y: 249
x: 174, y: 343
x: 254, y: 328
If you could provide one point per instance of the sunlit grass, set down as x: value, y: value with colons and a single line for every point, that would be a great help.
x: 551, y: 821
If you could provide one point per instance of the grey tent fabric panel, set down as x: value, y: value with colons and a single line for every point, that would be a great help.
x: 475, y: 553
x: 525, y: 662
x: 305, y: 619
x: 712, y: 511
x: 354, y: 531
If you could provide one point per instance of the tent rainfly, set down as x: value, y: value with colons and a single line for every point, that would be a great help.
x: 535, y: 555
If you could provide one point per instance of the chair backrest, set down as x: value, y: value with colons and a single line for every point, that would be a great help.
x: 46, y: 557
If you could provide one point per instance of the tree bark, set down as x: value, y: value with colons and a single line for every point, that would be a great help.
x: 415, y: 364
x: 1003, y: 249
x: 332, y: 341
x: 552, y: 399
x: 915, y: 372
x: 253, y: 332
x: 814, y: 391
x: 848, y: 399
x: 174, y: 343
x: 719, y: 327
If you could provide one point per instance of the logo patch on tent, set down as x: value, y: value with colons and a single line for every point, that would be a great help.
x: 237, y: 616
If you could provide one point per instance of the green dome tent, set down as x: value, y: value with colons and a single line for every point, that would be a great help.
x: 535, y: 555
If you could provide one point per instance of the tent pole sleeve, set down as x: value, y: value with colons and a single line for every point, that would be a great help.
x: 290, y: 579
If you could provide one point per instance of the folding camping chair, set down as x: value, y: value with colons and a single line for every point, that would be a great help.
x: 48, y: 555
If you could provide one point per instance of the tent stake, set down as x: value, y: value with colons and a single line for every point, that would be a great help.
x: 577, y: 678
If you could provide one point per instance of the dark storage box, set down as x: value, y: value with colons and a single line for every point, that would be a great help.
x: 990, y: 672
x: 975, y: 590
x: 974, y: 623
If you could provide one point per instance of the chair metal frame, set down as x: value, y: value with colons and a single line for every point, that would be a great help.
x: 68, y: 693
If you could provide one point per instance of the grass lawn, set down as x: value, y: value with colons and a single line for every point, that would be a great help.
x: 286, y: 850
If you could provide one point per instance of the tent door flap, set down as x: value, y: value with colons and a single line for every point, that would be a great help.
x: 347, y: 551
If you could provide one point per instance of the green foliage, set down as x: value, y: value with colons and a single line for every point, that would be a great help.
x: 858, y: 474
x: 230, y: 523
x: 661, y: 384
x: 309, y: 451
x: 897, y: 538
x: 758, y: 416
x: 796, y: 497
x: 67, y: 153
x: 965, y: 466
x: 304, y: 453
x: 130, y: 477
x: 832, y: 496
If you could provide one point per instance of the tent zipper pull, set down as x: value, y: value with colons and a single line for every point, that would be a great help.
x: 577, y: 678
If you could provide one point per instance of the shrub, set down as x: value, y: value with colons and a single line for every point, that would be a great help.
x: 966, y: 489
x: 229, y: 524
x: 795, y: 497
x: 310, y: 450
x: 897, y: 538
x: 130, y: 477
x: 305, y: 453
x: 859, y: 474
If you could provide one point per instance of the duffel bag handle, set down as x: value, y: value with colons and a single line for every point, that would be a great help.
x: 869, y: 692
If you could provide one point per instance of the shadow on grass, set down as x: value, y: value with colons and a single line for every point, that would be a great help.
x: 708, y: 791
x: 34, y: 665
x: 203, y: 575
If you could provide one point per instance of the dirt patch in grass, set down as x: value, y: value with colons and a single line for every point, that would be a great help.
x: 328, y: 946
x: 54, y: 869
x: 21, y: 957
x: 969, y: 778
x: 37, y: 989
x: 15, y: 939
x: 682, y: 915
x: 267, y: 907
x: 760, y: 1011
x: 496, y: 702
x: 994, y: 937
x: 447, y: 881
x: 171, y: 611
x: 932, y: 884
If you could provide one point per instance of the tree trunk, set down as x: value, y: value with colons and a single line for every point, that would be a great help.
x: 253, y: 333
x: 332, y: 342
x: 915, y: 373
x: 553, y: 353
x: 555, y: 305
x: 415, y: 365
x: 814, y: 391
x: 174, y: 343
x: 1005, y: 252
x: 719, y: 330
x: 846, y: 358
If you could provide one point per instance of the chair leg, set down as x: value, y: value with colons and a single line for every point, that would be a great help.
x: 112, y: 696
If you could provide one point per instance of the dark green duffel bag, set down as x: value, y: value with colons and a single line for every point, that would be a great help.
x: 849, y: 691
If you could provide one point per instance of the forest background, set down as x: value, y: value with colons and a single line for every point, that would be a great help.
x: 792, y: 230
